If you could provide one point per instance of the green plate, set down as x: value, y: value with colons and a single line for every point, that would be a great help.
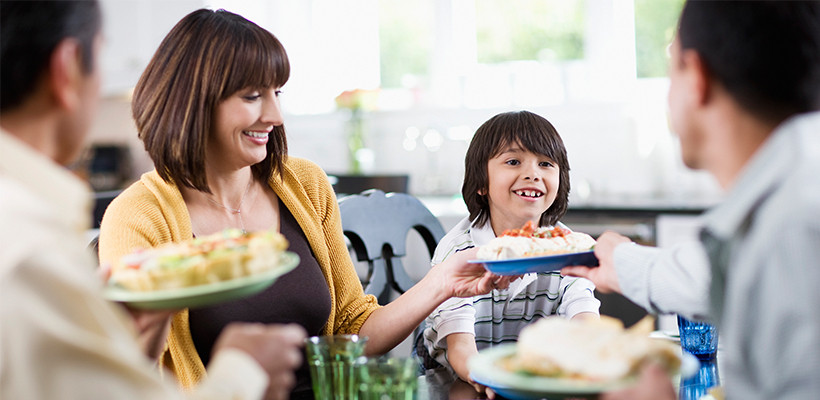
x: 203, y: 295
x: 517, y: 386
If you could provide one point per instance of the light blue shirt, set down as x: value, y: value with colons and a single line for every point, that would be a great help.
x: 757, y: 273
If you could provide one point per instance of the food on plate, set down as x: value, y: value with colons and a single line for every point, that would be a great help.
x: 214, y: 258
x: 589, y: 350
x: 530, y: 241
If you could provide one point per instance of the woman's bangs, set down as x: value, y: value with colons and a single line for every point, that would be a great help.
x: 259, y: 61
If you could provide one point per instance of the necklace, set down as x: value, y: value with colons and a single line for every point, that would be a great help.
x: 238, y: 209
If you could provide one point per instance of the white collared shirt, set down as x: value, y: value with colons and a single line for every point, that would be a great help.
x: 59, y: 339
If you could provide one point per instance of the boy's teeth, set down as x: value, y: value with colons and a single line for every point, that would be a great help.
x: 528, y: 193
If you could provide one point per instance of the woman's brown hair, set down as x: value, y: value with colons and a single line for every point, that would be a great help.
x: 207, y: 57
x: 533, y: 133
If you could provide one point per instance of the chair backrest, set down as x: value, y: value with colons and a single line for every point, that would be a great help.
x: 101, y: 202
x: 354, y: 184
x: 377, y: 225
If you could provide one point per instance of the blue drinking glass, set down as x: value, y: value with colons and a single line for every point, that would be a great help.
x: 698, y: 385
x: 698, y: 338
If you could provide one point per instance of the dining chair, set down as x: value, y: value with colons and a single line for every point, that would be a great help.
x: 93, y: 238
x: 377, y: 225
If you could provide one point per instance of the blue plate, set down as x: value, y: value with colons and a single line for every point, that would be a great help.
x: 484, y: 369
x: 520, y: 266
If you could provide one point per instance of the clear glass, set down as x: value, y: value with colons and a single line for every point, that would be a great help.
x: 698, y: 338
x: 332, y: 362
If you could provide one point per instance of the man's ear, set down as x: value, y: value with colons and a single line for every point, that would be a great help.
x: 698, y: 76
x: 65, y: 75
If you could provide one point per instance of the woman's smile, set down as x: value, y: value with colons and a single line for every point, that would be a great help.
x: 257, y: 137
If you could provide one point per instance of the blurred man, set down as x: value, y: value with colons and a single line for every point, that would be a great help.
x: 744, y: 90
x: 58, y: 338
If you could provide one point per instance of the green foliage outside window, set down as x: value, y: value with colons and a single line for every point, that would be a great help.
x: 405, y: 40
x: 529, y: 30
x: 655, y: 24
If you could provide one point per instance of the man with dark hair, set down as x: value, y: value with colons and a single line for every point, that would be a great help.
x: 744, y: 94
x: 58, y: 338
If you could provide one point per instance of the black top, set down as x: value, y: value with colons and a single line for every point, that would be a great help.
x: 300, y: 296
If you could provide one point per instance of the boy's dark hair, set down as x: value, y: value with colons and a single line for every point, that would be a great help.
x: 533, y: 133
x: 207, y: 57
x: 765, y: 53
x: 29, y: 33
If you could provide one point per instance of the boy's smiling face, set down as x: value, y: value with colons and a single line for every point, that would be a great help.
x: 522, y: 185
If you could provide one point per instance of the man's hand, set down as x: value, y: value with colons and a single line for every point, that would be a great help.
x: 654, y: 384
x: 152, y: 326
x: 465, y: 279
x: 604, y: 275
x: 277, y: 349
x: 152, y: 329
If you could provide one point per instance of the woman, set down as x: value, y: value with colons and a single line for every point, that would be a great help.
x: 207, y: 110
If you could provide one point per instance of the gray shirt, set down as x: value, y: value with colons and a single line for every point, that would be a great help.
x: 756, y: 273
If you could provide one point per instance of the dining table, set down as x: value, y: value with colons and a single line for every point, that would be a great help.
x: 439, y: 384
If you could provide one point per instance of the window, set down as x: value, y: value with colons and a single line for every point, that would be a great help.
x: 405, y: 42
x: 545, y: 30
x: 466, y: 53
x: 655, y: 24
x: 450, y: 52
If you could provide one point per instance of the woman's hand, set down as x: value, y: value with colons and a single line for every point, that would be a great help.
x: 463, y: 279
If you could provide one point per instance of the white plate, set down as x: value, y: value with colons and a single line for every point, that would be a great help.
x: 203, y: 295
x: 517, y: 386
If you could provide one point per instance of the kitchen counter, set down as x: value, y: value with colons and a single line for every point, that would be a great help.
x: 610, y: 205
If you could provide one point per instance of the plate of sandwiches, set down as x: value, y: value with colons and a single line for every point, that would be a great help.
x: 536, y: 249
x: 558, y: 358
x: 203, y: 271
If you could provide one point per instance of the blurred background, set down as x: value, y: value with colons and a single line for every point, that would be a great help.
x: 394, y: 90
x: 432, y: 71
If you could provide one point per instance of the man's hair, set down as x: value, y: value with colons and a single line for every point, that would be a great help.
x: 528, y: 130
x: 207, y: 57
x: 29, y: 33
x: 765, y: 53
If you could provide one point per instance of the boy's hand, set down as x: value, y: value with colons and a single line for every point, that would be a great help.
x: 604, y: 276
x: 460, y: 347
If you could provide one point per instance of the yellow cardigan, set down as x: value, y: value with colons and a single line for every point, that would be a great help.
x: 152, y: 211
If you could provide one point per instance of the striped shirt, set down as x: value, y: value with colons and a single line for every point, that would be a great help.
x: 499, y: 316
